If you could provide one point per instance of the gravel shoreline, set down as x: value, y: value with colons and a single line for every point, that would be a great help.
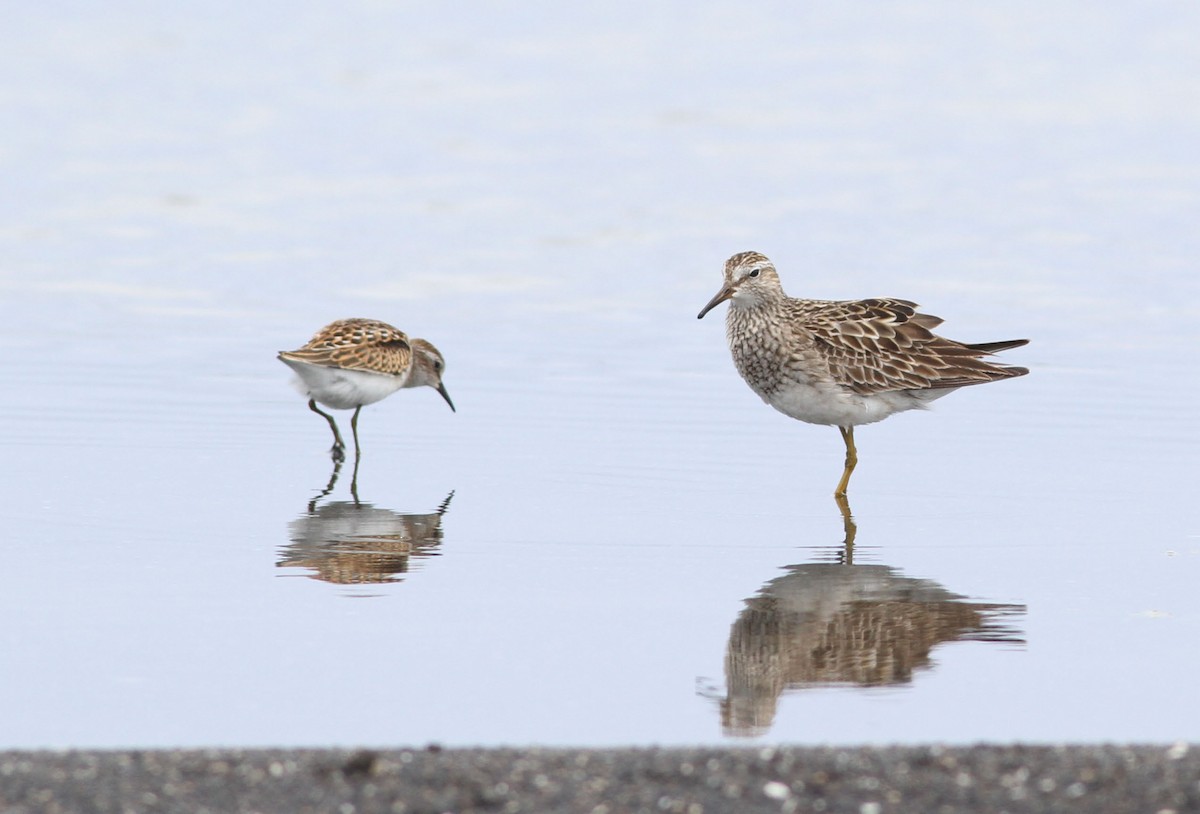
x: 883, y: 780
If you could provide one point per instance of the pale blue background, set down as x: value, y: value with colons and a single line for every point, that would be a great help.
x: 548, y: 194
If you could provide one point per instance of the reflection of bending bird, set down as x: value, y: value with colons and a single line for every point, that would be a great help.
x: 351, y: 543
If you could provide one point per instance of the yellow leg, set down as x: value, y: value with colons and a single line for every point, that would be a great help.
x: 851, y: 529
x: 851, y: 460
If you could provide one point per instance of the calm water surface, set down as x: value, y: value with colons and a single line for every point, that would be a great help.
x: 612, y: 541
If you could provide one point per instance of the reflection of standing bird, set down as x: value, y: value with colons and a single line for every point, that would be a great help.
x: 353, y: 362
x: 357, y: 543
x: 823, y: 625
x: 843, y: 363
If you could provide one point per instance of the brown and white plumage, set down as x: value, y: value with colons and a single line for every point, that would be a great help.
x: 354, y: 362
x: 839, y: 362
x: 356, y: 344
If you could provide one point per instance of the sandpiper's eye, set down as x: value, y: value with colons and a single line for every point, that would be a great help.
x: 754, y: 273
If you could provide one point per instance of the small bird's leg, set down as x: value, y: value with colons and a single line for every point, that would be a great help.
x: 851, y: 460
x: 339, y: 448
x: 357, y: 454
x: 354, y: 478
x: 333, y: 478
x: 354, y: 429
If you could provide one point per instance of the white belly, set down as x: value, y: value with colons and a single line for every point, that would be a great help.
x: 343, y: 389
x: 829, y: 404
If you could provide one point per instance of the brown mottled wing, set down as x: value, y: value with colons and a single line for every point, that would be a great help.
x: 357, y: 344
x: 881, y: 345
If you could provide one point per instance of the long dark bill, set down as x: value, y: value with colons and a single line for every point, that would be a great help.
x: 722, y: 295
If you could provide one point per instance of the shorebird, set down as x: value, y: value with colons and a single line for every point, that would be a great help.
x: 354, y: 362
x: 843, y: 362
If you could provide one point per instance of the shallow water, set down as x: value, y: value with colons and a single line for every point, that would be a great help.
x: 612, y: 541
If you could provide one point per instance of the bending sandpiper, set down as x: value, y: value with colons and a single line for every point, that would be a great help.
x: 845, y: 362
x: 354, y: 362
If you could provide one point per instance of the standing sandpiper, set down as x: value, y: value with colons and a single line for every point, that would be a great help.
x: 353, y: 362
x: 843, y: 363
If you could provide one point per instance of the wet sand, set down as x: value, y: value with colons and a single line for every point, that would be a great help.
x: 926, y: 779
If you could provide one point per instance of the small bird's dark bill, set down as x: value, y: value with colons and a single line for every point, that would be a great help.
x: 441, y: 388
x: 722, y: 295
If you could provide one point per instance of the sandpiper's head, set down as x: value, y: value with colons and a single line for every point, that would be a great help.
x: 427, y: 369
x: 750, y: 278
